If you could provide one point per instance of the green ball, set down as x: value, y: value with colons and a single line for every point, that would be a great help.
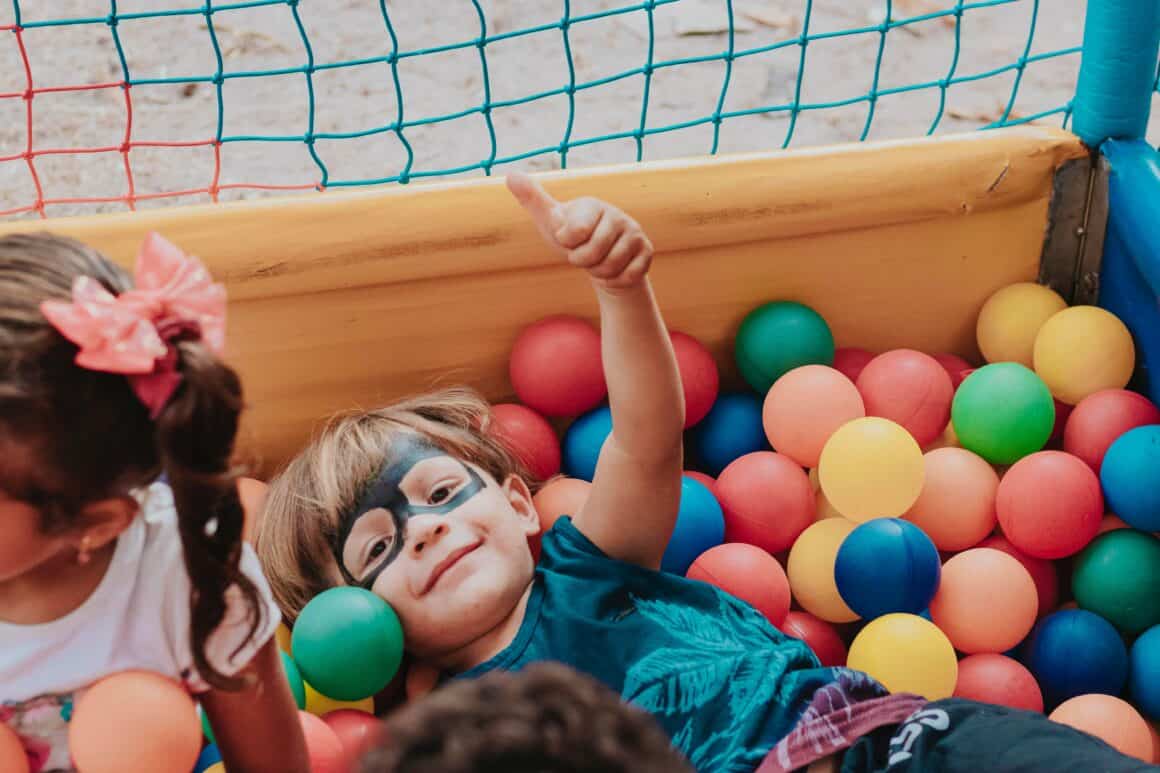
x: 777, y: 337
x: 348, y: 643
x: 294, y: 678
x: 1003, y: 412
x: 1117, y: 576
x: 205, y: 728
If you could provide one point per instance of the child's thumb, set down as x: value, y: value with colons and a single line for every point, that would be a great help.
x: 538, y: 202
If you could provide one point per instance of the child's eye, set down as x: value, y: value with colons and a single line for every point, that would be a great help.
x: 440, y: 495
x: 378, y: 548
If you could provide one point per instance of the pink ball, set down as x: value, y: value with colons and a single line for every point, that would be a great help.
x: 955, y: 366
x: 708, y: 481
x: 323, y: 747
x: 1100, y: 418
x: 991, y: 678
x: 356, y: 731
x: 767, y: 499
x: 911, y: 389
x: 747, y: 572
x: 529, y: 436
x: 805, y: 407
x: 821, y: 637
x: 956, y: 507
x: 699, y: 377
x: 849, y: 361
x: 556, y: 367
x: 1049, y: 504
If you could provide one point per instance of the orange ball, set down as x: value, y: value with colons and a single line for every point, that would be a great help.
x: 563, y: 496
x: 12, y: 756
x: 767, y: 499
x: 998, y: 679
x: 956, y: 507
x: 986, y: 601
x: 804, y: 407
x: 748, y: 573
x: 1041, y: 570
x: 911, y: 389
x: 323, y: 747
x: 157, y: 712
x: 1110, y: 719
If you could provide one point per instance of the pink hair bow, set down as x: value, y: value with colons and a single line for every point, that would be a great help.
x: 133, y: 333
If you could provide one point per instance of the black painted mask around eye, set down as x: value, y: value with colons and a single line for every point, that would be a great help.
x: 384, y: 492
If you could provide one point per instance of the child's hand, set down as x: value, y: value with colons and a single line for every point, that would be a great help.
x: 592, y: 234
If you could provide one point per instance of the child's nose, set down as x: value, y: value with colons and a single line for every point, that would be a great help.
x: 429, y: 532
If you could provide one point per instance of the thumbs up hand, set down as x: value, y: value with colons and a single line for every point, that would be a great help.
x: 592, y: 234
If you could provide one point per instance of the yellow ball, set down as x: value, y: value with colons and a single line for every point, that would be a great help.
x: 217, y: 767
x: 906, y: 653
x: 1082, y: 350
x: 810, y: 569
x: 282, y: 634
x: 320, y: 705
x: 948, y: 439
x: 871, y: 468
x: 1012, y: 317
x: 817, y: 484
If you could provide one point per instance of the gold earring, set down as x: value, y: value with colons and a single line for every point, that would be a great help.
x: 83, y: 551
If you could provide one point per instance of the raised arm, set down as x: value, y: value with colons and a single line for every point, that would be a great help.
x: 636, y: 491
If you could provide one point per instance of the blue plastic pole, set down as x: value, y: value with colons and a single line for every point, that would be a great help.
x: 1114, y: 93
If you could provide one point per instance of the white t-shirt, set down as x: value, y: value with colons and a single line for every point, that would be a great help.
x: 137, y: 618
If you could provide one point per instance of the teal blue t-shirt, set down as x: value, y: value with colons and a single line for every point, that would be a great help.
x: 724, y: 683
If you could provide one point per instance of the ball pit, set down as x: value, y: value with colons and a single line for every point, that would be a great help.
x: 1003, y: 412
x: 1081, y: 350
x: 747, y: 572
x: 1049, y: 504
x: 886, y: 565
x: 1074, y: 652
x: 1117, y: 576
x: 731, y: 430
x: 583, y: 441
x: 805, y: 407
x: 1128, y: 476
x: 911, y: 389
x: 1101, y: 418
x: 1011, y: 319
x: 530, y: 437
x: 821, y: 637
x: 767, y: 500
x: 777, y: 337
x: 810, y: 569
x: 986, y: 601
x: 956, y: 507
x: 555, y: 367
x: 871, y: 468
x: 906, y: 653
x: 1042, y: 572
x: 700, y: 526
x: 998, y: 679
x: 1110, y: 719
x: 699, y: 378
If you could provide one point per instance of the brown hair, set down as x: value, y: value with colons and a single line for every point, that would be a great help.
x: 545, y: 719
x: 87, y: 437
x: 306, y: 501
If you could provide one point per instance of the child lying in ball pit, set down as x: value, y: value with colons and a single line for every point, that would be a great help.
x: 422, y: 504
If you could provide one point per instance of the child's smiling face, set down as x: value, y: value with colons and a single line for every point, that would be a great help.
x: 443, y: 542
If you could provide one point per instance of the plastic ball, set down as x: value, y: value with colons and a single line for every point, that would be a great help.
x: 556, y: 367
x: 583, y: 441
x: 886, y: 565
x: 217, y: 767
x: 160, y: 713
x: 906, y: 654
x: 323, y: 748
x: 998, y: 679
x: 355, y: 730
x: 12, y: 756
x: 1074, y: 652
x: 320, y: 705
x: 777, y: 337
x: 282, y: 635
x: 955, y: 366
x: 1082, y: 350
x: 1110, y: 719
x: 986, y: 602
x: 805, y: 407
x: 948, y: 439
x: 700, y: 526
x: 731, y: 430
x: 209, y: 757
x: 1003, y: 412
x: 1144, y: 673
x: 849, y: 361
x: 871, y: 468
x: 699, y: 377
x: 348, y: 643
x: 821, y: 637
x: 810, y: 569
x: 1112, y: 522
x: 708, y: 481
x: 767, y: 499
x: 1063, y: 412
x: 1128, y: 477
x: 911, y: 389
x: 294, y: 679
x: 747, y: 572
x: 956, y: 507
x: 1049, y: 504
x: 562, y: 496
x: 1099, y: 419
x: 1042, y: 572
x: 1117, y: 576
x: 1011, y: 319
x: 529, y: 436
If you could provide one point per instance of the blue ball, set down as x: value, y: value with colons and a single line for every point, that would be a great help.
x: 209, y: 756
x: 700, y: 526
x: 1075, y: 652
x: 887, y: 565
x: 1128, y: 477
x: 730, y: 430
x: 583, y: 441
x: 1144, y: 674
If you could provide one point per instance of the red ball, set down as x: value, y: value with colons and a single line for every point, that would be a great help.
x: 748, y: 573
x: 529, y: 436
x: 911, y: 389
x: 998, y: 679
x: 708, y: 481
x: 1049, y: 504
x: 767, y: 499
x: 322, y: 745
x: 356, y: 731
x: 850, y: 361
x: 556, y: 367
x: 1062, y: 414
x: 955, y: 366
x: 1100, y: 418
x: 699, y: 377
x: 821, y: 637
x: 1042, y: 572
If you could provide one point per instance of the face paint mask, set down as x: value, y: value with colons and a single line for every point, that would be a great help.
x: 384, y: 493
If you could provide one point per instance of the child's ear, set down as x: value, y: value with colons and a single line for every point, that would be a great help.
x: 103, y: 521
x: 520, y: 498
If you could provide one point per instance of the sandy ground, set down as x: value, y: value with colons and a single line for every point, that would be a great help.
x: 360, y: 98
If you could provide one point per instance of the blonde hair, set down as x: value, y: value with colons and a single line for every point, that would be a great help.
x: 306, y: 501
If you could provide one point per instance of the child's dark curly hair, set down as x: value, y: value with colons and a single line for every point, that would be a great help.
x: 546, y: 719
